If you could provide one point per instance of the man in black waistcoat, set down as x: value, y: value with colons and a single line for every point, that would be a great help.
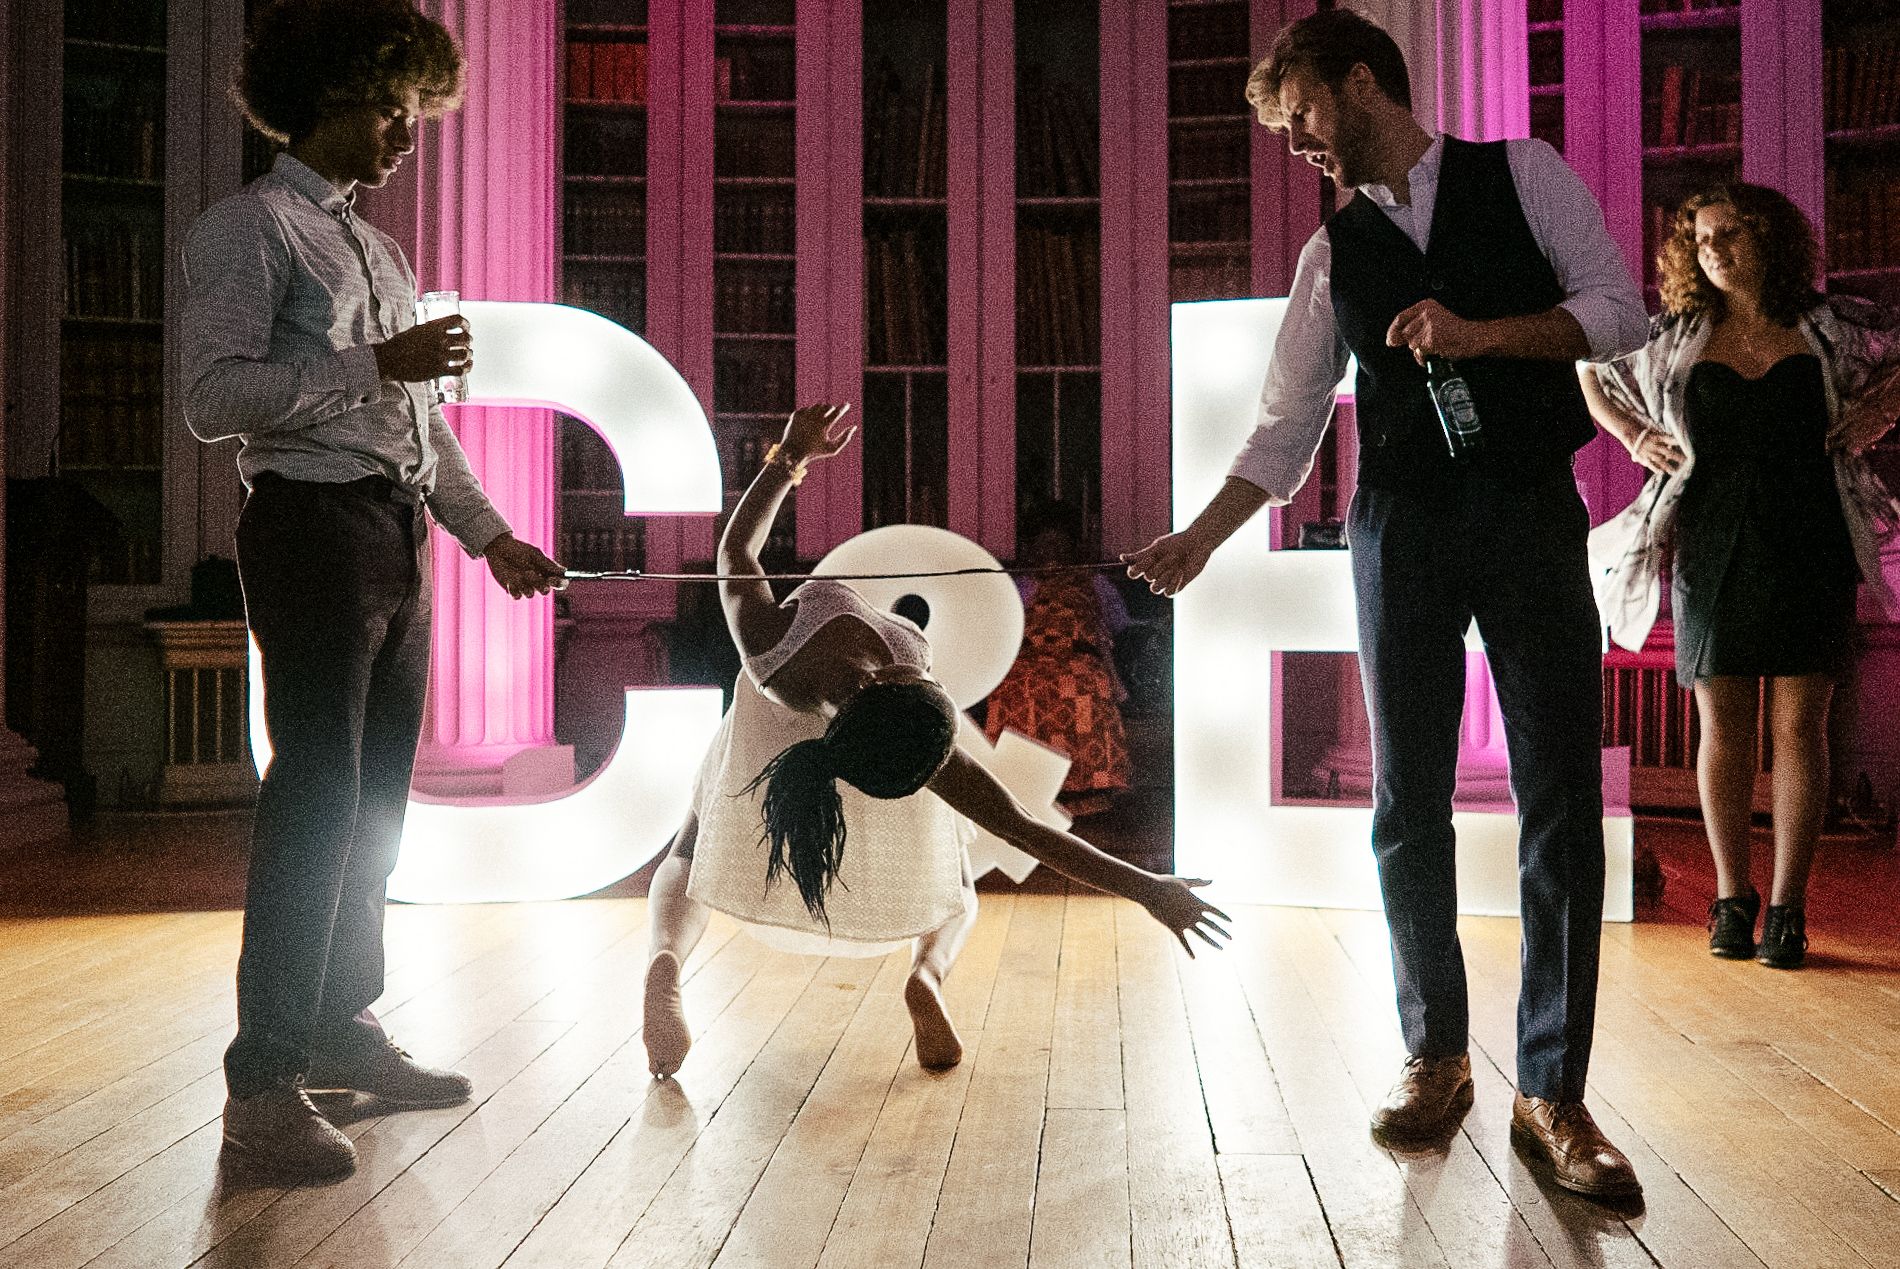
x: 1493, y: 257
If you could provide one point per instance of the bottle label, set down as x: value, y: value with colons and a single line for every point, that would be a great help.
x: 1456, y: 407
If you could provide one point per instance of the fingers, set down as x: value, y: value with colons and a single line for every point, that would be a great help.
x: 1205, y: 939
x: 1187, y: 947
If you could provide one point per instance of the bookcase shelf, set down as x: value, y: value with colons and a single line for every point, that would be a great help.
x: 1860, y: 116
x: 603, y: 264
x: 1691, y: 110
x: 112, y: 225
x: 1210, y: 176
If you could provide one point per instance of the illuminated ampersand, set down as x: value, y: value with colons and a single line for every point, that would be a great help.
x: 489, y: 849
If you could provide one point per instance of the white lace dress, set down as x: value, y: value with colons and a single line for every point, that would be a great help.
x: 906, y: 868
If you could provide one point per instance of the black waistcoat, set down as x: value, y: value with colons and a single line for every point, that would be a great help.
x: 1481, y: 263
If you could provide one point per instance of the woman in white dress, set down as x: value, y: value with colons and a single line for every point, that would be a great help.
x: 838, y: 693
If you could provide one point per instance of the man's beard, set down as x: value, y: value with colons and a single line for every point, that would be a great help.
x: 1352, y: 146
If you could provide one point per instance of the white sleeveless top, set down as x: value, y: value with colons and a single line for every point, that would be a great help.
x: 905, y: 867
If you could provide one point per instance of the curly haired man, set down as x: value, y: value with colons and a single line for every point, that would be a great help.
x: 299, y: 340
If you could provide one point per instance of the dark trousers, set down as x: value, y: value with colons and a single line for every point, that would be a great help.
x: 1509, y: 552
x: 337, y: 594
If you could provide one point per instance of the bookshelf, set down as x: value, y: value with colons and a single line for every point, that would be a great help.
x: 603, y: 251
x: 1692, y: 108
x: 754, y: 334
x: 1861, y: 123
x: 1546, y: 30
x: 1210, y: 179
x: 1058, y: 259
x: 112, y: 227
x: 906, y: 416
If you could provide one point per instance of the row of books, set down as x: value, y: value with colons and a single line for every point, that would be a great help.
x: 1547, y: 120
x: 122, y: 138
x: 745, y: 145
x: 586, y: 462
x: 606, y: 145
x: 906, y: 296
x: 1208, y: 90
x: 111, y: 394
x: 1863, y: 86
x: 752, y: 378
x: 905, y: 154
x: 1863, y: 225
x: 607, y: 71
x: 1546, y: 10
x: 114, y: 269
x: 1203, y: 153
x: 755, y: 12
x: 618, y: 294
x: 1686, y: 6
x: 1058, y: 139
x: 755, y: 221
x: 1547, y: 57
x: 756, y: 72
x: 604, y: 226
x: 753, y: 300
x: 1216, y: 215
x: 117, y: 21
x: 115, y: 559
x: 1221, y: 278
x: 1207, y: 30
x: 1693, y: 107
x: 604, y: 550
x: 1059, y: 275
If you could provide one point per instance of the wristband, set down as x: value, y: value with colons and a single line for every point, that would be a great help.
x: 775, y: 456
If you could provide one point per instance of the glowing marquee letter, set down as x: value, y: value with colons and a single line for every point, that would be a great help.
x: 479, y: 850
x: 1252, y: 602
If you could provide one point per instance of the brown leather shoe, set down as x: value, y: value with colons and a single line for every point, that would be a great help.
x: 279, y: 1134
x: 1432, y: 1095
x: 1561, y: 1137
x: 388, y: 1073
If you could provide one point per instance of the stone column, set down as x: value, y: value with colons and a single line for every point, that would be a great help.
x: 485, y: 196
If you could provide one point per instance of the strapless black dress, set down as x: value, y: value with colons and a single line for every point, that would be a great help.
x: 1764, y: 567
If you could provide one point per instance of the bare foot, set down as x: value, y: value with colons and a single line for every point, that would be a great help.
x: 938, y: 1048
x: 664, y: 1027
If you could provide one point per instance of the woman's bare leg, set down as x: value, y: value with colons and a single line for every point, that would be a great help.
x: 1725, y: 774
x: 938, y: 1047
x: 1797, y: 715
x: 675, y: 922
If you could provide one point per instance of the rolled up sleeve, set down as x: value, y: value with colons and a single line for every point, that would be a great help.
x: 1296, y: 400
x: 1564, y: 218
x: 237, y: 274
x: 457, y: 502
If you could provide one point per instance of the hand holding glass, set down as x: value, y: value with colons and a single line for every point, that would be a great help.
x: 449, y: 389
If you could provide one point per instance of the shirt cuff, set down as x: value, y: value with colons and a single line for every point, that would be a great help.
x: 1604, y: 329
x: 357, y: 374
x: 480, y: 533
x: 1269, y: 477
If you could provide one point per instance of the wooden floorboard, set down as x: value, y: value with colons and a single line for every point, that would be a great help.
x: 1118, y: 1104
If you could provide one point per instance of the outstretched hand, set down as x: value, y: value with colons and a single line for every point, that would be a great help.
x: 1169, y: 562
x: 521, y: 568
x: 1175, y: 905
x: 811, y: 432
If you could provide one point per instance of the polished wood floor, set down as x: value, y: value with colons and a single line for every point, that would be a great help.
x: 1119, y: 1104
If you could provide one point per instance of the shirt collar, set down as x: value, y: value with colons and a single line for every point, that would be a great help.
x: 1423, y: 173
x: 304, y: 180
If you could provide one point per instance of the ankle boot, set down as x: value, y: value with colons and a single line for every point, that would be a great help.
x: 1732, y: 926
x: 1784, y: 936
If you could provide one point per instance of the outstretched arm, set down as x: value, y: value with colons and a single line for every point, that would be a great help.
x: 751, y: 613
x: 974, y: 793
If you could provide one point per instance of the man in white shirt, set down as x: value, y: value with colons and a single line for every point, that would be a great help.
x: 1493, y: 258
x: 298, y: 338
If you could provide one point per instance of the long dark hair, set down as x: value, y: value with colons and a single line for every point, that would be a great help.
x: 888, y: 741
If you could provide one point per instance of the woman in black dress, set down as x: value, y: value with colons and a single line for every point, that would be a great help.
x: 1742, y: 386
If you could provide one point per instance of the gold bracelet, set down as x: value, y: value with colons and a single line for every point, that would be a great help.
x: 796, y: 469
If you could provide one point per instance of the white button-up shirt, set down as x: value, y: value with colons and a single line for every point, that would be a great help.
x: 286, y: 294
x: 1309, y: 357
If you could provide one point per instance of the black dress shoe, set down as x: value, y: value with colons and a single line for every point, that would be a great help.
x: 386, y: 1072
x: 1732, y: 927
x: 1784, y: 936
x: 277, y: 1134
